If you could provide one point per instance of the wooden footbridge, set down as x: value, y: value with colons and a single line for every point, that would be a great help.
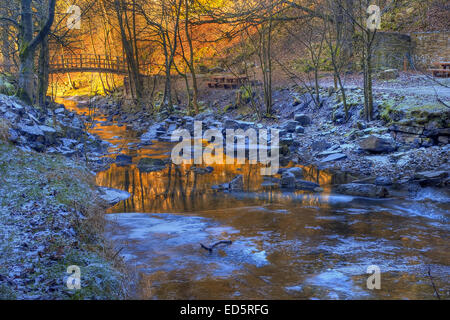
x: 88, y: 63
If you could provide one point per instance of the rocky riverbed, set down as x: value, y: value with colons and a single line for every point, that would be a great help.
x: 404, y: 148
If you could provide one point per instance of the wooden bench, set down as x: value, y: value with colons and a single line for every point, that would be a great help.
x: 441, y: 69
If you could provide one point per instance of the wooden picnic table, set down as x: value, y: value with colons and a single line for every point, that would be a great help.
x: 227, y: 82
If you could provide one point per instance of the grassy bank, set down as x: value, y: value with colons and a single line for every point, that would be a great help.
x: 51, y: 218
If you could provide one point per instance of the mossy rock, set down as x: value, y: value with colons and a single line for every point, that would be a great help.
x: 229, y: 107
x: 390, y: 114
x: 6, y: 87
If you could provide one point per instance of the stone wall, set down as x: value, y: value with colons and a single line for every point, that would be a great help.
x: 424, y: 48
x: 429, y: 47
x: 390, y: 50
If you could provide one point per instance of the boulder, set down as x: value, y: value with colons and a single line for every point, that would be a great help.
x: 376, y: 145
x: 150, y: 165
x: 306, y: 185
x: 73, y: 132
x: 299, y: 129
x: 124, y: 160
x: 362, y: 190
x: 288, y: 180
x: 389, y: 74
x: 443, y: 140
x: 237, y: 184
x: 50, y: 135
x: 290, y: 126
x: 302, y: 119
x: 32, y: 131
x: 296, y: 171
x: 270, y: 183
x: 112, y: 196
x: 235, y: 124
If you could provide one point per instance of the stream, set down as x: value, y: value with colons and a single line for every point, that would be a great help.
x: 285, y: 245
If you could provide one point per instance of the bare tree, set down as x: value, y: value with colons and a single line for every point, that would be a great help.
x: 337, y: 38
x: 27, y: 47
x: 127, y: 27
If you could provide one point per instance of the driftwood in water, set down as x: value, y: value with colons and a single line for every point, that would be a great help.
x: 210, y: 249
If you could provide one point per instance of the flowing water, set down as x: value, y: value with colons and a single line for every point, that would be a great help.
x: 285, y: 245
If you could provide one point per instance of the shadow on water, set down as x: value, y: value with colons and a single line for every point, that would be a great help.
x: 286, y: 245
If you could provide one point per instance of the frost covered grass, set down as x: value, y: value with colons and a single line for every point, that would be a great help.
x: 51, y: 218
x: 4, y: 127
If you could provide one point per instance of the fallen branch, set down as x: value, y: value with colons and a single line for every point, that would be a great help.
x: 210, y: 249
x: 432, y: 283
x: 117, y: 253
x: 442, y: 102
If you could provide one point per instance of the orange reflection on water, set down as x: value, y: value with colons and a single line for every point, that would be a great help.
x: 182, y: 188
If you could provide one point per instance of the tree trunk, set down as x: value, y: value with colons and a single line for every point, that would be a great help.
x: 43, y: 73
x: 348, y: 36
x: 133, y: 67
x: 369, y: 86
x: 316, y: 85
x: 27, y: 47
x: 26, y: 81
x: 191, y: 59
x: 6, y: 50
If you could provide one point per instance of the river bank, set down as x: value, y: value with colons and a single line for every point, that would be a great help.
x: 51, y: 211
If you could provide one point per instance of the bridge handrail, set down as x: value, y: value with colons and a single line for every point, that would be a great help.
x: 88, y: 61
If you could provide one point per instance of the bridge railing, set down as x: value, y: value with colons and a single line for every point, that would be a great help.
x: 88, y: 61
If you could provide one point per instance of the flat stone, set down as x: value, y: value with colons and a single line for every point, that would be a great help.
x: 376, y: 144
x: 432, y: 174
x: 31, y: 130
x: 407, y: 129
x: 47, y: 129
x: 334, y: 157
x: 330, y: 151
x: 113, y: 196
x: 362, y: 190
